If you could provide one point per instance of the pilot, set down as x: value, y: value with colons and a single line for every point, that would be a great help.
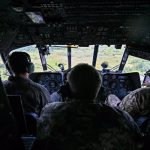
x: 34, y: 96
x: 136, y: 103
x: 83, y: 124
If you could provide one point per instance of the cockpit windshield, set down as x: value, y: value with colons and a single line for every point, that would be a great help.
x: 58, y: 54
x: 111, y: 55
x: 85, y: 55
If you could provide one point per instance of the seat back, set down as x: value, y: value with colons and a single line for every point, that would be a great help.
x: 9, y: 138
x: 17, y: 109
x: 26, y: 122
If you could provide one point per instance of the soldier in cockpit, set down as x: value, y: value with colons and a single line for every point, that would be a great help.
x: 83, y: 124
x: 34, y: 96
x: 136, y: 103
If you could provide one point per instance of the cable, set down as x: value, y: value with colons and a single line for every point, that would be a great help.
x: 114, y: 67
x: 51, y: 68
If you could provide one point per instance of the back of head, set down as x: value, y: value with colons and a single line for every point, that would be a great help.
x: 20, y: 62
x: 84, y: 81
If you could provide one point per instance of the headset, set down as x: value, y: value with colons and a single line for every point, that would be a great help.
x: 20, y: 62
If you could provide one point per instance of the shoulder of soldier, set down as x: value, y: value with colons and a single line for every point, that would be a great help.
x: 54, y: 107
x: 122, y: 115
x: 101, y: 108
x: 124, y: 118
x: 129, y: 123
x: 116, y: 113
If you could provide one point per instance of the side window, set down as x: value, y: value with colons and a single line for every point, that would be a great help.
x: 135, y: 64
x: 3, y: 71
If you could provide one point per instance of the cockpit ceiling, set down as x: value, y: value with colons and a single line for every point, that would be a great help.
x: 82, y: 22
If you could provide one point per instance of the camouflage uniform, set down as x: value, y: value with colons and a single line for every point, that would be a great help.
x: 85, y: 126
x: 136, y: 103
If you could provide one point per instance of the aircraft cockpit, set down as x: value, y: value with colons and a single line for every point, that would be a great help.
x: 57, y: 23
x: 112, y: 36
x: 55, y: 61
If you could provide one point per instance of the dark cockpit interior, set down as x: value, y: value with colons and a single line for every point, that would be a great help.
x: 78, y: 22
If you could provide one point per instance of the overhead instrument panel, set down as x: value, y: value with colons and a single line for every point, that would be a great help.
x: 51, y: 81
x: 120, y: 84
x: 74, y: 22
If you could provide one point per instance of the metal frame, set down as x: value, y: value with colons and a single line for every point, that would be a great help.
x: 96, y: 48
x: 42, y: 58
x: 69, y: 56
x: 124, y: 60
